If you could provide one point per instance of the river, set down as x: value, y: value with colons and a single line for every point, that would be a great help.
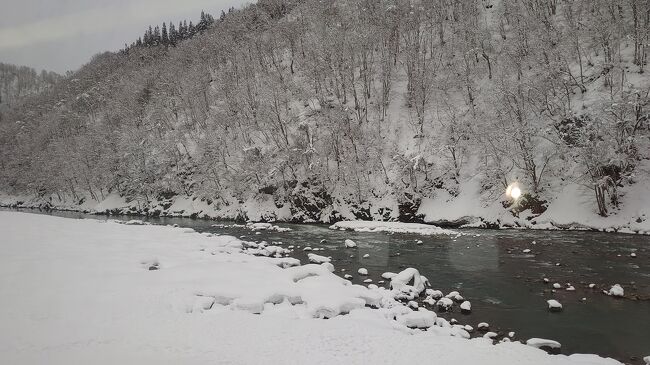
x: 490, y: 269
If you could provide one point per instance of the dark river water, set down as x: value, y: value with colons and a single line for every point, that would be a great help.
x: 504, y: 284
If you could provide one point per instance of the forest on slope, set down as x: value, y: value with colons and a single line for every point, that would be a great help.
x: 17, y: 82
x: 366, y: 109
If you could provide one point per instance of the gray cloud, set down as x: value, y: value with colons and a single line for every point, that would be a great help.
x: 62, y: 35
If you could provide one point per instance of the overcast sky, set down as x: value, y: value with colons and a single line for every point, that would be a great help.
x: 61, y: 35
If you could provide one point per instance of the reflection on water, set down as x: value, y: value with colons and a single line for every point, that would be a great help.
x: 479, y: 257
x: 504, y: 284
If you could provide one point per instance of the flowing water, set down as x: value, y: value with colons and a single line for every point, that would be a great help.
x: 504, y: 284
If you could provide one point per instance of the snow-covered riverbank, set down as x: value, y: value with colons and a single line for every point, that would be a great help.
x: 573, y: 209
x: 85, y: 291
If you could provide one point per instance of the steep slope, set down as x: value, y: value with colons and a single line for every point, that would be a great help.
x: 354, y: 109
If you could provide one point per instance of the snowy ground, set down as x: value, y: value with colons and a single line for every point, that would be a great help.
x: 85, y: 291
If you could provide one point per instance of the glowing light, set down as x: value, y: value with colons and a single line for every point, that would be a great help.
x: 513, y: 191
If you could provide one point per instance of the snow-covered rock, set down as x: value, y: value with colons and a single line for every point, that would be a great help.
x: 388, y: 275
x: 490, y: 335
x: 452, y: 294
x: 366, y: 256
x: 435, y: 294
x: 408, y: 279
x: 541, y: 342
x: 349, y: 243
x: 466, y: 307
x: 425, y: 281
x: 459, y: 331
x: 441, y: 322
x: 317, y: 259
x: 444, y: 304
x: 557, y: 286
x: 265, y: 227
x: 616, y: 291
x: 363, y: 271
x: 430, y: 301
x: 455, y: 296
x: 554, y: 305
x: 527, y: 250
x: 483, y: 326
x: 418, y: 319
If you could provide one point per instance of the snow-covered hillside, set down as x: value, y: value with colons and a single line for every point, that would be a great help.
x: 307, y: 111
x: 17, y: 82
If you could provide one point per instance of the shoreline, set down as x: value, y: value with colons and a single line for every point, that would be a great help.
x: 188, y: 257
x: 205, y: 217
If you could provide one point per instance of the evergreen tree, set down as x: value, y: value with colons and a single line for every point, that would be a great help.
x: 206, y: 21
x: 202, y: 24
x: 223, y: 15
x: 148, y: 37
x: 172, y: 34
x: 182, y: 30
x: 164, y: 38
x: 191, y: 30
x: 156, y: 36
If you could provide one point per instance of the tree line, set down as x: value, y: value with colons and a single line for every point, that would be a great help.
x: 162, y: 36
